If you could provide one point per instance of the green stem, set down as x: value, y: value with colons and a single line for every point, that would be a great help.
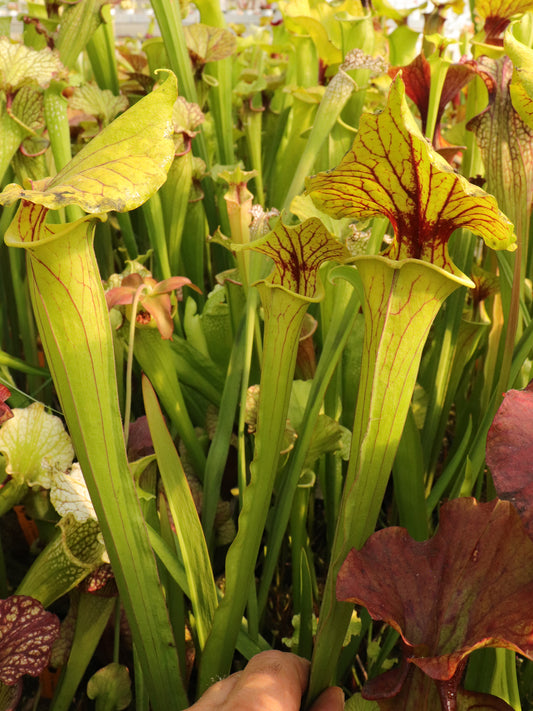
x: 101, y: 52
x: 342, y: 321
x: 284, y: 313
x: 337, y: 94
x: 401, y: 302
x: 73, y: 321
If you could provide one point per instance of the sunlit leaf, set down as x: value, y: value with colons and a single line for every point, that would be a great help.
x: 502, y: 8
x: 391, y: 170
x: 325, y: 13
x: 209, y: 44
x: 298, y: 252
x: 69, y: 494
x: 27, y: 632
x: 497, y: 15
x: 23, y: 66
x: 522, y: 82
x: 469, y: 586
x: 327, y: 51
x: 121, y: 167
x: 32, y: 441
x: 510, y: 452
x: 398, y: 14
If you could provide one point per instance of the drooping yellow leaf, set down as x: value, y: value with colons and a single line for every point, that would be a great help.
x: 120, y: 168
x: 327, y: 51
x: 392, y: 170
x: 321, y: 13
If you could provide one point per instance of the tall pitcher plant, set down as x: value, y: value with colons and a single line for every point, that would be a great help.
x: 118, y: 170
x: 392, y: 170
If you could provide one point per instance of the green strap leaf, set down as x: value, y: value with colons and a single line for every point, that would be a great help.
x: 193, y: 547
x: 391, y: 170
x: 121, y: 167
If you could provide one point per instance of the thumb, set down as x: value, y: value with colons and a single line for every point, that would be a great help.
x: 331, y: 699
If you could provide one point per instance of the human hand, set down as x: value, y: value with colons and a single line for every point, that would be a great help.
x: 271, y: 681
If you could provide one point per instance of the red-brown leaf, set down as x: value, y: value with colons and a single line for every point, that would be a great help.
x: 421, y: 693
x: 5, y: 410
x: 510, y: 452
x: 469, y: 586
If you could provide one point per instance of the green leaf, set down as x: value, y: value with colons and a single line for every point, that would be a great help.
x: 23, y: 66
x: 79, y: 22
x: 100, y: 103
x: 193, y: 547
x: 73, y: 321
x: 522, y: 83
x: 120, y: 168
x: 111, y: 687
x: 209, y: 44
x: 391, y: 170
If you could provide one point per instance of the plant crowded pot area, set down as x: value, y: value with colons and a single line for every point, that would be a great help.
x: 266, y: 352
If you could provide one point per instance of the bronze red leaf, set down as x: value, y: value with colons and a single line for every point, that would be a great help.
x: 5, y: 411
x: 469, y: 586
x: 510, y: 452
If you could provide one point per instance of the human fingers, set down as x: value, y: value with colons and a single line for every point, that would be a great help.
x: 271, y: 681
x: 331, y: 699
x: 215, y: 697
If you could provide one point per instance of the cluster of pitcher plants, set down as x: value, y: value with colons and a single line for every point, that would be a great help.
x: 266, y: 321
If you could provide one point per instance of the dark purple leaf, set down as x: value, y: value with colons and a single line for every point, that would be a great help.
x: 27, y: 632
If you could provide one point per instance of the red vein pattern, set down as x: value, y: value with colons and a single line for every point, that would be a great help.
x: 298, y: 252
x: 392, y: 170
